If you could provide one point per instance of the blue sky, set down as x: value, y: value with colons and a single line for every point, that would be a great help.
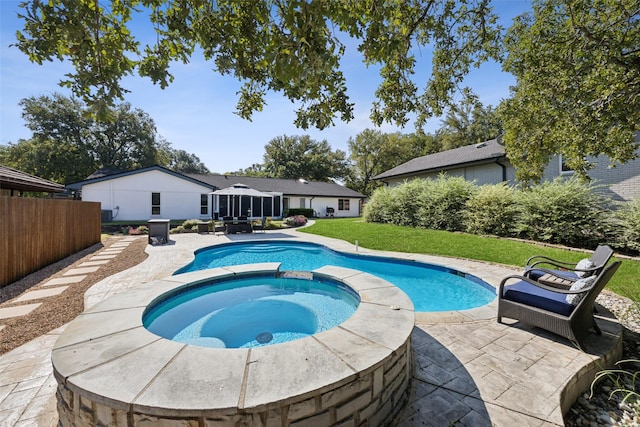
x: 195, y: 113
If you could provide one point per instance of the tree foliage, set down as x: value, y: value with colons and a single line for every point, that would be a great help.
x: 183, y: 162
x: 577, y: 64
x: 373, y: 152
x: 294, y: 157
x: 293, y: 47
x: 468, y: 122
x: 67, y: 144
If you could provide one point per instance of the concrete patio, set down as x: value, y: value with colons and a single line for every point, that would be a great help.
x: 468, y: 369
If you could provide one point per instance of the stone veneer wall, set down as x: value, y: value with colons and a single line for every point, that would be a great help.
x: 371, y: 398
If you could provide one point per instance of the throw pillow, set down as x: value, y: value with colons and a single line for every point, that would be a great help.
x: 580, y: 284
x: 583, y: 265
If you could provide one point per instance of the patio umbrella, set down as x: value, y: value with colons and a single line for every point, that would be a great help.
x: 239, y: 190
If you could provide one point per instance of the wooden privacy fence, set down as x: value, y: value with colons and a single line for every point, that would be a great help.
x: 37, y: 232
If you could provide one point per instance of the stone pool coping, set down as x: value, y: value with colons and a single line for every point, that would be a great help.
x: 106, y: 357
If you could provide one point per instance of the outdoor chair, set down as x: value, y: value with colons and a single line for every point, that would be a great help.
x: 565, y: 312
x: 562, y: 273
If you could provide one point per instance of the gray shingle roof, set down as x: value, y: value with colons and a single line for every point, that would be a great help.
x: 99, y: 176
x: 288, y: 187
x: 478, y: 153
x: 14, y: 179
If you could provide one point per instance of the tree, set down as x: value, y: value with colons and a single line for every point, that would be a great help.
x: 292, y: 47
x: 68, y: 145
x: 294, y: 157
x: 577, y: 65
x: 373, y: 152
x: 256, y: 169
x: 183, y: 162
x: 468, y: 122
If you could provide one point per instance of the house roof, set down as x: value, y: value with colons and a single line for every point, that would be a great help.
x: 484, y: 152
x: 14, y: 179
x: 288, y: 187
x: 100, y: 176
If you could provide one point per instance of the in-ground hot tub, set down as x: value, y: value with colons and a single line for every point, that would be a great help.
x: 112, y: 371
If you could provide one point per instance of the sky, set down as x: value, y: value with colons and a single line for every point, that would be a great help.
x: 196, y: 112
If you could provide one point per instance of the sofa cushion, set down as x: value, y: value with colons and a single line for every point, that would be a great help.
x: 526, y: 293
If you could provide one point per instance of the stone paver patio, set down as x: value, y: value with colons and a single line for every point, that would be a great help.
x: 468, y: 369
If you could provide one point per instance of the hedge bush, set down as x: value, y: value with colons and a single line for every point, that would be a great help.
x: 565, y: 211
x: 493, y: 210
x: 299, y: 211
x: 442, y: 203
x: 627, y: 226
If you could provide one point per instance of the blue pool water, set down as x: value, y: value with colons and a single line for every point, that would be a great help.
x: 431, y: 288
x: 250, y: 311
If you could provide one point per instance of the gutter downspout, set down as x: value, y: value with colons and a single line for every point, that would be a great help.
x: 504, y: 170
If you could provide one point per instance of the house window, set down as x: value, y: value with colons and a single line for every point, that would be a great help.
x: 155, y: 203
x: 302, y: 203
x: 343, y: 204
x: 204, y: 204
x: 564, y: 168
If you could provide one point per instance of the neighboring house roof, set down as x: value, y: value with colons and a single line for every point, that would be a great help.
x: 288, y: 187
x: 78, y: 185
x: 483, y: 152
x: 14, y: 179
x: 104, y: 172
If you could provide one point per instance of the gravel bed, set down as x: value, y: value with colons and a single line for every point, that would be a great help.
x: 605, y: 407
x: 57, y: 310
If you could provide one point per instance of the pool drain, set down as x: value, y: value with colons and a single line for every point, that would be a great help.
x: 264, y: 337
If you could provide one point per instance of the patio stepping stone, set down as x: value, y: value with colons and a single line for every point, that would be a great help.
x: 41, y: 293
x: 76, y: 271
x: 20, y: 310
x: 64, y: 280
x: 94, y: 263
x: 100, y: 257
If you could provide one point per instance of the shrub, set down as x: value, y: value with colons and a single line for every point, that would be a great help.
x: 383, y: 206
x: 296, y: 221
x: 564, y: 211
x: 627, y: 221
x: 190, y: 223
x: 427, y: 203
x: 442, y: 203
x: 492, y: 210
x: 299, y: 211
x: 143, y: 229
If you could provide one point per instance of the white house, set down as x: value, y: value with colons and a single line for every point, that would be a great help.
x: 156, y: 192
x: 487, y: 163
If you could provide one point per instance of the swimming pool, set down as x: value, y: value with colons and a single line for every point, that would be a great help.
x: 432, y: 288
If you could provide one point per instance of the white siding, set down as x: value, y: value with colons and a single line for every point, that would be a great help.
x: 320, y: 205
x: 179, y: 198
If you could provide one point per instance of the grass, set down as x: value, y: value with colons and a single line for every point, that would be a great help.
x: 626, y: 281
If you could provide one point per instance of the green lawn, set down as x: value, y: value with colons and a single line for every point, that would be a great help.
x: 503, y: 251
